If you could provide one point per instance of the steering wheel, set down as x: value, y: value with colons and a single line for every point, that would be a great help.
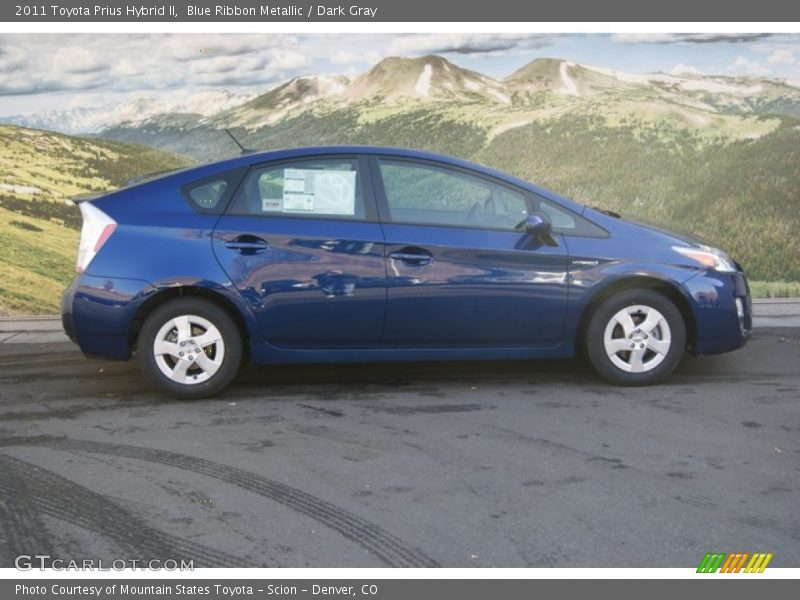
x: 488, y: 206
x: 472, y: 215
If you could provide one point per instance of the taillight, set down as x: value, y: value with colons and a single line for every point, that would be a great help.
x: 97, y: 228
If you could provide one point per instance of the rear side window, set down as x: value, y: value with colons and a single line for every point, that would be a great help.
x: 330, y: 187
x: 211, y: 194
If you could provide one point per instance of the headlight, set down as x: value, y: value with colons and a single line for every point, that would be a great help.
x: 709, y: 257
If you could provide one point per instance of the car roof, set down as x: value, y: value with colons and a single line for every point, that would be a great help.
x: 253, y: 158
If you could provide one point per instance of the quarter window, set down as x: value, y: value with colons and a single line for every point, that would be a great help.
x: 431, y: 195
x: 208, y: 195
x: 567, y: 222
x: 307, y: 188
x: 211, y: 194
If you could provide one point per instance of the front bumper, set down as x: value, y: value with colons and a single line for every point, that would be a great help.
x: 97, y: 313
x: 723, y: 311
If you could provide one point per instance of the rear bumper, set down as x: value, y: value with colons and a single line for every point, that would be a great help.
x: 97, y: 312
x: 723, y: 311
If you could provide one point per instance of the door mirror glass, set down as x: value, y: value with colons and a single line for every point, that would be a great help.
x: 539, y: 225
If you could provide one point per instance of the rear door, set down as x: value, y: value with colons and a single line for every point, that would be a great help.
x: 301, y: 243
x: 461, y: 269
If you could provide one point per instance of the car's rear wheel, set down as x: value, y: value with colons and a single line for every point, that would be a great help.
x: 636, y: 337
x: 190, y: 348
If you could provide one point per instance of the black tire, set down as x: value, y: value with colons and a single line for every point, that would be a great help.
x: 594, y: 340
x: 231, y: 357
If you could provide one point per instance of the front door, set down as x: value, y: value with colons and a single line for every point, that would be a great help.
x: 461, y: 269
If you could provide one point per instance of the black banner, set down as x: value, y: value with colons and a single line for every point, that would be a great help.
x: 394, y: 11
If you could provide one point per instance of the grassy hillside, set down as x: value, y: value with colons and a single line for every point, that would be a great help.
x: 38, y: 262
x: 39, y: 172
x: 743, y: 195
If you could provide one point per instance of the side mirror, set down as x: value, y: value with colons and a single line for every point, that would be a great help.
x: 539, y: 226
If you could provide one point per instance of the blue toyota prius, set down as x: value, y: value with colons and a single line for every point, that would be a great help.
x: 347, y: 253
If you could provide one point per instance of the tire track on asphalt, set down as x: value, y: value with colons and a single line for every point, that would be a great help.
x: 386, y: 546
x: 23, y: 531
x: 58, y: 497
x: 74, y: 410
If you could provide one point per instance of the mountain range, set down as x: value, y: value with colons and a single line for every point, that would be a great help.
x: 90, y: 120
x: 401, y: 83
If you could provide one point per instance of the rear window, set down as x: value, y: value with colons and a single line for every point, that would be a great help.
x: 211, y: 194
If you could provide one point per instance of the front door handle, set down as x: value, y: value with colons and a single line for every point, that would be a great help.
x: 413, y: 256
x: 247, y: 244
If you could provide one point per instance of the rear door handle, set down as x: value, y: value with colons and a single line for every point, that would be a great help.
x: 413, y: 256
x: 247, y: 244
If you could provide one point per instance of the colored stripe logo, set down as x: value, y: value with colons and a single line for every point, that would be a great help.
x: 734, y: 563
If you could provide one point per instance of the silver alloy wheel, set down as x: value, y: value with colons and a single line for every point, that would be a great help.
x: 637, y: 339
x: 189, y: 349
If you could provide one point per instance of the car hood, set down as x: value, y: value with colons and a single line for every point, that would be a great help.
x: 678, y: 235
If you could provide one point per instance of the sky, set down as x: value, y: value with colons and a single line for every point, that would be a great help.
x: 40, y: 72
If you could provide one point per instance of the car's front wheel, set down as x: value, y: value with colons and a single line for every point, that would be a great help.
x: 636, y: 337
x: 189, y: 348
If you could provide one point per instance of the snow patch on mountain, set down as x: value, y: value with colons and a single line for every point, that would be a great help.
x: 570, y: 88
x: 471, y: 84
x: 706, y: 84
x: 423, y: 85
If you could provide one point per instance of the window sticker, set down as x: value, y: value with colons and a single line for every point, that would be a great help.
x: 294, y: 185
x: 330, y: 192
x: 271, y: 204
x: 297, y: 202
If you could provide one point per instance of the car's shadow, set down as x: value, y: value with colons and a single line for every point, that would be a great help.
x: 545, y: 371
x: 66, y: 375
x: 390, y: 372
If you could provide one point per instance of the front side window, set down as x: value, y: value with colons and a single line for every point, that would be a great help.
x: 426, y: 194
x: 310, y: 187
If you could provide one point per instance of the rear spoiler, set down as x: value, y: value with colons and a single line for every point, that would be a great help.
x: 151, y: 176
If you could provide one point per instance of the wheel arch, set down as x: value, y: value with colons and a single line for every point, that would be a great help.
x: 166, y: 294
x: 667, y: 288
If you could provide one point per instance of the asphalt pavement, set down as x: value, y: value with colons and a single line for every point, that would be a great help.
x: 508, y: 464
